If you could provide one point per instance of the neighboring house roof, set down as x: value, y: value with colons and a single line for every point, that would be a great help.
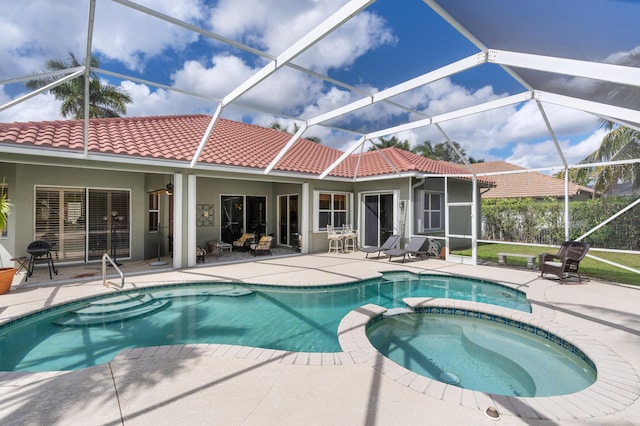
x: 231, y: 143
x: 525, y: 185
x: 624, y: 188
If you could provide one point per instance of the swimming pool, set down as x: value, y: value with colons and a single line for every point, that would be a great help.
x: 91, y: 332
x: 482, y: 352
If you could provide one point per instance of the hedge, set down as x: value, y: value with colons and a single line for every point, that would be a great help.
x: 542, y: 221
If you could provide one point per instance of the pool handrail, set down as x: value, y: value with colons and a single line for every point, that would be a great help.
x: 106, y: 257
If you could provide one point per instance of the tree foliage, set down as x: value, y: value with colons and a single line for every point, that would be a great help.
x: 392, y: 142
x: 443, y: 151
x: 5, y: 207
x: 105, y: 101
x: 621, y: 143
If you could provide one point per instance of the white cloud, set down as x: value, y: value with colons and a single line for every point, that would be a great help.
x: 342, y: 48
x: 274, y: 25
x: 270, y: 25
x: 42, y: 107
x: 34, y: 31
x: 542, y: 154
x: 132, y: 37
x: 226, y: 73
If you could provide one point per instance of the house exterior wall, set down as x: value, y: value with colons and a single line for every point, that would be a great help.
x: 23, y: 178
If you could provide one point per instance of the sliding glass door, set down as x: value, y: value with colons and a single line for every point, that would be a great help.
x: 378, y: 218
x: 240, y: 214
x: 288, y: 234
x: 61, y: 219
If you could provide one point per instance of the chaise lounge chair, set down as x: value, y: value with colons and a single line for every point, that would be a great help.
x: 566, y: 261
x: 391, y: 242
x: 418, y: 245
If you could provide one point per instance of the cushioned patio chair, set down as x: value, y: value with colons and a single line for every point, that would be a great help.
x: 417, y: 246
x: 263, y: 246
x: 244, y: 242
x: 566, y: 262
x: 391, y: 242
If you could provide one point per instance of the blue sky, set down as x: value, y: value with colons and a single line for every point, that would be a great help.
x: 388, y: 43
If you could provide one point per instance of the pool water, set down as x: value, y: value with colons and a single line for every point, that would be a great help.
x: 481, y: 355
x: 93, y: 332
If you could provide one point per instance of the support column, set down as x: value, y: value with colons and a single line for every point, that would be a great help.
x: 178, y: 220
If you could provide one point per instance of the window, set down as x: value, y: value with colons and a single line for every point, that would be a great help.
x: 432, y: 211
x: 154, y: 212
x: 332, y: 210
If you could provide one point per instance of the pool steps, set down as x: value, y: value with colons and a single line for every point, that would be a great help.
x: 119, y: 306
x: 135, y: 305
x: 145, y: 307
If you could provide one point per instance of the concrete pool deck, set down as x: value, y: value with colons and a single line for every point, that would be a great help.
x: 232, y: 385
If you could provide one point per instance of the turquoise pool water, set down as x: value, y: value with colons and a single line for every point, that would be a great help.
x: 79, y: 335
x: 483, y: 355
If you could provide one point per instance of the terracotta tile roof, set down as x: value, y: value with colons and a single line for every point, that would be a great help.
x: 231, y: 143
x: 524, y: 185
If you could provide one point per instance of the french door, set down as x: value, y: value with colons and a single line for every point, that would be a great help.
x: 378, y: 218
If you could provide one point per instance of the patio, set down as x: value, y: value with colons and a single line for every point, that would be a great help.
x: 225, y: 384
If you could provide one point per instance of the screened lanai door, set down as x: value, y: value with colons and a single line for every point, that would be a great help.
x: 460, y: 222
x: 378, y: 218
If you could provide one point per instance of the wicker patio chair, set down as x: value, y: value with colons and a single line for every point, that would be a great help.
x: 566, y: 262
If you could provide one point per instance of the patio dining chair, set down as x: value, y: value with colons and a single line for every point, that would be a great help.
x: 566, y: 261
x: 335, y: 239
x: 350, y: 241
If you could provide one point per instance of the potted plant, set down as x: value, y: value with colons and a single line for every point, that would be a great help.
x: 6, y: 274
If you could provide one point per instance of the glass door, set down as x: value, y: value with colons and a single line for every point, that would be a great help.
x: 288, y: 234
x: 60, y: 219
x: 378, y: 218
x: 241, y: 214
x: 81, y: 224
x: 109, y: 229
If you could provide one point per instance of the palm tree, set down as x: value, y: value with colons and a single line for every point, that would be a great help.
x: 392, y: 142
x: 5, y: 208
x: 443, y: 151
x: 279, y: 127
x: 621, y: 143
x: 425, y: 150
x: 105, y: 101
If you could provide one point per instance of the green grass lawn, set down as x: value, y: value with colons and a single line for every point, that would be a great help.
x: 589, y: 267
